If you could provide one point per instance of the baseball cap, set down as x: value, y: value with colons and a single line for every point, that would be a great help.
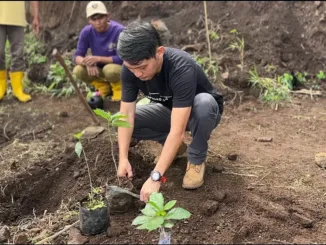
x: 95, y: 7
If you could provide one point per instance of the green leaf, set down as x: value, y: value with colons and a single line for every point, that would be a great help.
x: 143, y: 101
x: 168, y: 224
x: 158, y: 199
x: 170, y: 205
x: 119, y: 123
x: 149, y: 211
x: 79, y: 135
x: 178, y: 214
x: 141, y: 220
x: 78, y: 148
x: 118, y: 115
x: 103, y: 114
x: 153, y: 224
x: 157, y: 208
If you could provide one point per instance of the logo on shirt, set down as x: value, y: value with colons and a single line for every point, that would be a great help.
x: 112, y: 46
x: 157, y: 97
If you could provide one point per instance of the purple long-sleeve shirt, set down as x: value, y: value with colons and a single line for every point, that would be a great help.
x: 101, y: 44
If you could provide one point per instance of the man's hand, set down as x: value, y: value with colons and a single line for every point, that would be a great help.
x: 91, y: 60
x: 92, y: 71
x: 125, y: 169
x: 36, y: 25
x: 148, y: 188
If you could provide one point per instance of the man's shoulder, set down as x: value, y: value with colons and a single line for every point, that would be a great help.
x: 116, y: 24
x: 86, y: 30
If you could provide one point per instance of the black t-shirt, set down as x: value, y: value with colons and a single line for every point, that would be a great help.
x: 179, y: 80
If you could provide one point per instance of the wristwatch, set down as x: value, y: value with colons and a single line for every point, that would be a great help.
x: 156, y: 176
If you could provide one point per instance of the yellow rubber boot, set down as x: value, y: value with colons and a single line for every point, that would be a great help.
x: 3, y: 83
x: 102, y: 87
x: 116, y: 90
x: 16, y: 79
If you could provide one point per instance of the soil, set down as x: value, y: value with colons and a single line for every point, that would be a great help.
x: 270, y: 192
x: 255, y: 191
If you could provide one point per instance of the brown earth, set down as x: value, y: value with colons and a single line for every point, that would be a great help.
x: 254, y: 192
x: 272, y: 192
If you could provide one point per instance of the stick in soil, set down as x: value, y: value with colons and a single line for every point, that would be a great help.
x: 58, y: 233
x: 4, y: 130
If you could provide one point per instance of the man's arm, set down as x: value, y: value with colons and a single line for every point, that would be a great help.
x: 124, y: 134
x: 36, y: 22
x: 179, y: 120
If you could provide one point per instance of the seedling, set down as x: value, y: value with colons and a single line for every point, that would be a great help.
x: 321, y: 75
x: 95, y: 199
x: 238, y: 44
x: 113, y: 121
x: 157, y: 215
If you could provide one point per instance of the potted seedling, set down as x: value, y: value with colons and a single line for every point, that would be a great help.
x: 93, y: 212
x: 118, y: 202
x: 159, y: 216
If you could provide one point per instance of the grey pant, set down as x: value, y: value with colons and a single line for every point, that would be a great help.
x: 15, y: 36
x: 153, y: 121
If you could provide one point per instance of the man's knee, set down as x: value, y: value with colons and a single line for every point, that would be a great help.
x: 79, y: 71
x: 112, y: 73
x: 205, y: 106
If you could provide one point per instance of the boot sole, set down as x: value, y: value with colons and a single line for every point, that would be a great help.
x: 193, y: 187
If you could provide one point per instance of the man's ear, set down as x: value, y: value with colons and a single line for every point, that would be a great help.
x: 160, y: 51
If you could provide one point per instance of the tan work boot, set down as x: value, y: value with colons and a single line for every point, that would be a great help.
x: 182, y: 150
x: 194, y: 177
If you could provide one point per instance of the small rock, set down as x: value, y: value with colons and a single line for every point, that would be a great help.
x: 76, y: 174
x: 232, y: 156
x: 264, y: 139
x: 4, y: 234
x: 225, y: 75
x: 304, y: 221
x: 92, y: 131
x: 217, y: 169
x: 320, y: 159
x: 219, y: 196
x: 210, y: 207
x: 75, y: 237
x: 63, y: 114
x: 21, y: 239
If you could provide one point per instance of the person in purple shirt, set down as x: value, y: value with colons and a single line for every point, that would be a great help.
x: 102, y: 68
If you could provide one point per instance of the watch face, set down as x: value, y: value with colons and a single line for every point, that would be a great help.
x: 156, y: 176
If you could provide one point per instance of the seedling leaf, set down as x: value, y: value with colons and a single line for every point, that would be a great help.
x: 78, y: 148
x: 103, y: 114
x: 149, y: 211
x: 178, y: 214
x: 170, y: 205
x: 158, y: 199
x: 141, y: 220
x: 152, y: 224
x: 120, y: 123
x: 168, y: 224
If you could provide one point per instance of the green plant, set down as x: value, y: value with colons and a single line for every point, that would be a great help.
x: 34, y: 49
x: 272, y: 89
x: 113, y: 121
x: 301, y: 77
x: 157, y: 215
x: 95, y: 199
x: 238, y: 44
x: 210, y: 66
x: 321, y: 75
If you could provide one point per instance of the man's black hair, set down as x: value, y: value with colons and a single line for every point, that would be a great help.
x: 138, y: 42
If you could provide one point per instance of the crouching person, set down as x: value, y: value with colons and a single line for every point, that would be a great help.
x: 102, y: 68
x: 182, y: 99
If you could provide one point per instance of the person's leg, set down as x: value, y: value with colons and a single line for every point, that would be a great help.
x: 3, y: 71
x: 112, y: 73
x: 152, y: 122
x: 203, y: 119
x: 98, y: 83
x: 16, y: 39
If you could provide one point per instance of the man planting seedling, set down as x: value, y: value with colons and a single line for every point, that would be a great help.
x: 182, y: 99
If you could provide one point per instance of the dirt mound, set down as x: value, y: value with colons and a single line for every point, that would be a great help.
x: 285, y: 36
